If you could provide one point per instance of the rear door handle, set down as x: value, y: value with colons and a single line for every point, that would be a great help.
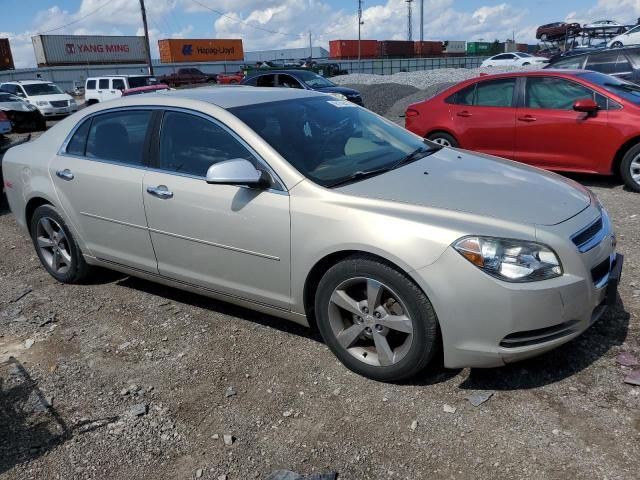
x: 527, y: 118
x: 65, y: 174
x: 464, y: 114
x: 161, y: 191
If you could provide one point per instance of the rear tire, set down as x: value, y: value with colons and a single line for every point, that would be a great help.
x: 617, y: 45
x: 396, y: 339
x: 630, y: 168
x: 55, y: 246
x: 444, y: 139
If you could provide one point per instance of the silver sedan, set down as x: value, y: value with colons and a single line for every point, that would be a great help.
x: 310, y: 208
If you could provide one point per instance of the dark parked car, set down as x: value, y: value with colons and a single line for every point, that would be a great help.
x: 303, y: 79
x: 619, y: 62
x: 188, y: 76
x: 23, y: 116
x: 557, y: 31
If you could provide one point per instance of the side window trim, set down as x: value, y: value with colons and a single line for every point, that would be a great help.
x: 155, y: 149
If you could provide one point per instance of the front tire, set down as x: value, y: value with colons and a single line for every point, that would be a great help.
x: 376, y: 320
x: 617, y: 45
x: 56, y: 248
x: 444, y: 139
x: 630, y: 168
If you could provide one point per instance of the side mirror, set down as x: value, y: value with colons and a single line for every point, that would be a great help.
x: 237, y: 171
x: 586, y: 106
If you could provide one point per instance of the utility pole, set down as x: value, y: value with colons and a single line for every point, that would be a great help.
x: 310, y: 46
x: 421, y: 20
x: 409, y: 22
x: 146, y: 37
x: 360, y: 23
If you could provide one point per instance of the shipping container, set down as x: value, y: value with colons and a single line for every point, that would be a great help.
x: 348, y: 49
x: 6, y: 59
x: 522, y: 47
x: 427, y: 49
x: 58, y: 50
x: 395, y: 49
x: 479, y: 48
x: 176, y: 50
x: 455, y: 46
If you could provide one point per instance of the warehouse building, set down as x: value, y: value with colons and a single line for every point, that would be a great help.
x: 285, y: 54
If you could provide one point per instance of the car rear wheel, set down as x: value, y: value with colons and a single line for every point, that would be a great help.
x: 443, y: 139
x: 376, y: 320
x: 630, y: 168
x: 56, y: 247
x: 617, y: 45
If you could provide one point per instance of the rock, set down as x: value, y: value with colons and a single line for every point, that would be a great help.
x: 287, y: 413
x: 28, y: 343
x: 222, y: 477
x: 138, y: 410
x: 448, y: 408
x: 215, y: 436
x: 230, y: 392
x: 627, y: 359
x: 414, y: 425
x: 228, y: 440
x: 477, y: 399
x: 555, y: 431
x: 633, y: 378
x: 199, y: 473
x: 336, y: 392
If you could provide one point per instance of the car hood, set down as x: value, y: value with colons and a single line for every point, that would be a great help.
x: 15, y: 106
x: 478, y: 184
x: 347, y: 92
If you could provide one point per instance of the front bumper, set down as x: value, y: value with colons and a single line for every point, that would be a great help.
x: 486, y: 322
x: 49, y: 111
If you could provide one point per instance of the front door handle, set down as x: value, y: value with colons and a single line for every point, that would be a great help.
x: 464, y: 114
x: 65, y: 174
x: 161, y: 191
x: 527, y: 118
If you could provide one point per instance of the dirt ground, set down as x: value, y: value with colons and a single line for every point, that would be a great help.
x: 121, y: 378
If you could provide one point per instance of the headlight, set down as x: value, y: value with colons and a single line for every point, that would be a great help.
x: 338, y: 95
x: 510, y: 260
x: 42, y: 103
x: 31, y: 107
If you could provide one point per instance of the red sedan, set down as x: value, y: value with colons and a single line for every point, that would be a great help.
x: 577, y: 121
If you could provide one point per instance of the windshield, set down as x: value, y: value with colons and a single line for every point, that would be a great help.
x: 314, y: 80
x: 627, y: 90
x: 7, y: 97
x: 37, y: 89
x: 330, y: 141
x: 135, y: 82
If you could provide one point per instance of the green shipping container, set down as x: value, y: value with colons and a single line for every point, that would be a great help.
x: 478, y: 48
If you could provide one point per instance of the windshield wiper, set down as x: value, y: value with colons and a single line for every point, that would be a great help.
x: 417, y: 154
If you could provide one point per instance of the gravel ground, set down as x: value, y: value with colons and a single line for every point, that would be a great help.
x: 121, y: 378
x: 380, y: 97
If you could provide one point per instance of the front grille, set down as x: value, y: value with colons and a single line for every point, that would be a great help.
x: 60, y: 103
x: 540, y: 335
x: 591, y: 235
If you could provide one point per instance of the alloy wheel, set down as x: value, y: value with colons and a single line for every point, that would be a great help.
x: 634, y: 169
x: 53, y: 245
x: 370, y: 321
x: 442, y: 141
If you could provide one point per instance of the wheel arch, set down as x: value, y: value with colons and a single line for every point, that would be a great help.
x: 622, y: 151
x: 31, y: 206
x: 442, y: 130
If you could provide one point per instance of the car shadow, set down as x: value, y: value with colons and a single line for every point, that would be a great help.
x: 563, y: 362
x: 30, y: 426
x: 600, y: 181
x: 219, y: 306
x: 4, y: 205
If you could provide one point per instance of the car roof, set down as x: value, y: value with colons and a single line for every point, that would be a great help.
x: 276, y: 70
x: 26, y: 82
x: 598, y: 51
x: 230, y: 96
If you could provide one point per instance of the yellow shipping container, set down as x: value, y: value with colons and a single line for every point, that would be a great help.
x: 176, y: 50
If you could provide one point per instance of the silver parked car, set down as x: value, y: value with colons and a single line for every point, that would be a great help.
x: 314, y: 209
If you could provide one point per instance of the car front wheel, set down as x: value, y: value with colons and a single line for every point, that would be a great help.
x: 617, y: 45
x: 56, y: 247
x: 630, y: 168
x: 443, y: 139
x: 376, y: 320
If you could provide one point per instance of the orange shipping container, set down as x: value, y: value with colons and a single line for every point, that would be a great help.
x: 345, y: 49
x: 200, y: 50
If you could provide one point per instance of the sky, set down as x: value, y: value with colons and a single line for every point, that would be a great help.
x: 269, y: 24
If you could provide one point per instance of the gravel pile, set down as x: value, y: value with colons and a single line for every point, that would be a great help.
x: 424, y: 78
x: 380, y: 97
x: 396, y: 112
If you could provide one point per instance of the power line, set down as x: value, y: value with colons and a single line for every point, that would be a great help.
x: 77, y: 20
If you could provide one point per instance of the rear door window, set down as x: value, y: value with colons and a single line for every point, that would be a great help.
x: 495, y: 93
x: 78, y: 142
x: 288, y: 81
x: 103, y: 84
x: 119, y: 136
x: 266, y: 81
x: 603, y: 62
